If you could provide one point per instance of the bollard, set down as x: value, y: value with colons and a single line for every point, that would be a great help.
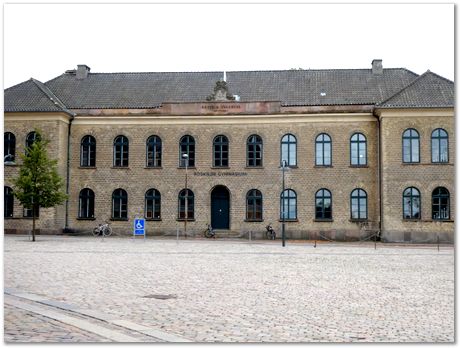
x: 177, y: 235
x: 375, y: 242
x: 315, y: 244
x: 437, y: 237
x: 250, y: 237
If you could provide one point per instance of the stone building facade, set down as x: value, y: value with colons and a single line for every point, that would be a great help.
x: 364, y: 152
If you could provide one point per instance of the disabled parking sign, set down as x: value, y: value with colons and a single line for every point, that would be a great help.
x: 139, y: 227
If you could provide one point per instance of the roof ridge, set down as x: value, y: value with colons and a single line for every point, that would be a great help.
x: 51, y: 96
x: 441, y: 77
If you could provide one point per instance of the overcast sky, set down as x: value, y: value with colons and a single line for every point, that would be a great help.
x: 44, y: 40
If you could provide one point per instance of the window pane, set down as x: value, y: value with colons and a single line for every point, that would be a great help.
x: 415, y: 150
x: 292, y: 155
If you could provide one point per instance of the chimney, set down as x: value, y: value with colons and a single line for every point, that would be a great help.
x: 82, y: 71
x: 377, y: 68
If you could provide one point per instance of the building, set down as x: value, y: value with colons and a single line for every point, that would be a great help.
x: 364, y: 151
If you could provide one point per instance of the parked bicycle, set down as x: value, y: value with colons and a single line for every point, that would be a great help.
x: 104, y: 230
x: 271, y: 234
x: 209, y: 232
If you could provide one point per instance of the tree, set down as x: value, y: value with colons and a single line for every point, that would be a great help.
x: 38, y: 184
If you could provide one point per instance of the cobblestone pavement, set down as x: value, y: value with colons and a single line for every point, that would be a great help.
x: 235, y: 291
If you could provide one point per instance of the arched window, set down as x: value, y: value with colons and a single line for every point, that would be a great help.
x: 358, y: 149
x: 187, y: 146
x: 152, y: 204
x: 323, y: 150
x: 10, y: 147
x: 86, y: 204
x: 439, y: 146
x: 88, y: 151
x: 153, y: 151
x: 30, y: 139
x: 120, y: 151
x: 289, y: 150
x: 411, y: 203
x: 254, y: 151
x: 119, y: 204
x: 358, y: 204
x: 440, y: 204
x: 186, y: 196
x: 220, y: 144
x: 288, y: 206
x: 411, y: 146
x: 8, y: 202
x: 323, y: 204
x: 254, y: 205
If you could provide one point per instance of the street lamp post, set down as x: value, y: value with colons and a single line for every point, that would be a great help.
x: 185, y: 157
x: 283, y: 212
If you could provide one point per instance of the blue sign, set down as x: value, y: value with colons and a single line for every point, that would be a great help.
x: 139, y: 227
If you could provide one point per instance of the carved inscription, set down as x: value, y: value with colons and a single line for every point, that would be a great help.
x: 220, y: 173
x: 221, y: 107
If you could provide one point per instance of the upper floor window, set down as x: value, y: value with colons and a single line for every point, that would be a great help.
x: 254, y: 151
x: 86, y: 204
x: 358, y: 149
x: 358, y: 205
x: 411, y: 146
x: 119, y: 204
x: 323, y: 204
x: 186, y: 204
x: 10, y: 147
x: 254, y: 205
x: 187, y: 146
x: 27, y: 212
x: 88, y: 151
x: 411, y: 203
x: 8, y: 203
x: 152, y: 204
x: 220, y: 144
x: 323, y: 149
x: 439, y: 146
x: 289, y: 150
x: 120, y: 151
x: 153, y: 151
x: 288, y: 205
x: 31, y: 138
x: 440, y: 204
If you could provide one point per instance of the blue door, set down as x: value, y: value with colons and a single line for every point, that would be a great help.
x: 220, y: 208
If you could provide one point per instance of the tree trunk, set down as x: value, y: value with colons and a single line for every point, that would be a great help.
x: 33, y: 223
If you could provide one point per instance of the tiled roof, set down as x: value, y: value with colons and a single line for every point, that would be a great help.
x: 428, y: 90
x: 133, y: 90
x: 318, y: 87
x: 290, y: 87
x: 31, y: 95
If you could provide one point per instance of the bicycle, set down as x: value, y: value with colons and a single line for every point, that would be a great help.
x: 209, y: 232
x: 104, y: 230
x: 271, y: 234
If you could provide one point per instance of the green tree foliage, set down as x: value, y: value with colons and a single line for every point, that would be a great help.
x: 38, y: 183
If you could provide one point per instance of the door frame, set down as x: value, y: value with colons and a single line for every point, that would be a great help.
x: 229, y: 204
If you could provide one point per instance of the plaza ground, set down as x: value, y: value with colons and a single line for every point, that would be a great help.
x: 85, y: 289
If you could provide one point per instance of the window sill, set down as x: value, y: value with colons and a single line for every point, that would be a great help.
x: 288, y: 167
x: 289, y: 220
x: 190, y: 167
x: 87, y: 167
x: 29, y: 217
x: 254, y: 167
x: 323, y: 220
x: 359, y: 166
x: 82, y: 218
x: 119, y: 219
x: 411, y: 220
x: 182, y: 219
x: 13, y: 164
x: 323, y: 166
x: 152, y: 219
x: 446, y: 220
x: 410, y: 163
x: 154, y: 167
x: 227, y: 167
x: 253, y: 220
x: 441, y: 163
x: 358, y: 220
x: 113, y: 167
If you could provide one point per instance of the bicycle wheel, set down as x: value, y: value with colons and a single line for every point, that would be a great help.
x: 107, y: 231
x: 96, y: 231
x: 207, y: 233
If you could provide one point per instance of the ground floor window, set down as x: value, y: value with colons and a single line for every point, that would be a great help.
x: 323, y: 204
x: 152, y: 204
x: 86, y: 204
x: 411, y: 203
x: 440, y: 204
x: 8, y: 202
x: 119, y: 204
x: 359, y: 204
x: 288, y: 205
x: 186, y: 204
x: 254, y: 205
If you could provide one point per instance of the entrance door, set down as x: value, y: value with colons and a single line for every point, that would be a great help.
x: 220, y: 208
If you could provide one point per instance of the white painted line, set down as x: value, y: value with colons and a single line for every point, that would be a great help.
x: 79, y: 323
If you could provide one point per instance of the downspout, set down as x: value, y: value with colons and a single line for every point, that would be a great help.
x: 67, y: 190
x: 379, y: 172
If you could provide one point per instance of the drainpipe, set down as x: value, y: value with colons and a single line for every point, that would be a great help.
x: 66, y: 228
x: 379, y: 171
